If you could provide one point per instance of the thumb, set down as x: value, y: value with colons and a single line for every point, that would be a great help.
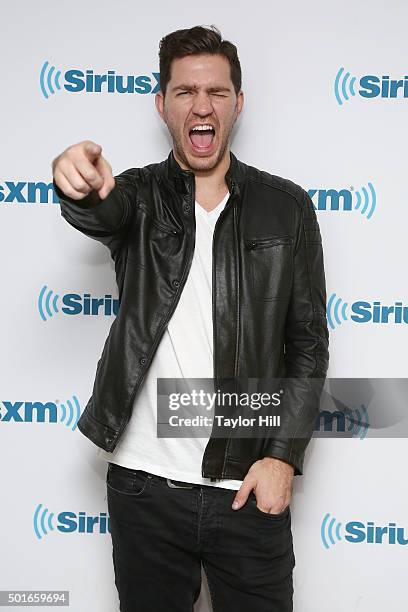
x: 242, y: 494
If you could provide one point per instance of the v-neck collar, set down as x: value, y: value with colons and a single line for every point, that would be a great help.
x: 215, y: 211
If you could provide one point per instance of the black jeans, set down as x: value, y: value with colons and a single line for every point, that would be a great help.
x: 161, y: 536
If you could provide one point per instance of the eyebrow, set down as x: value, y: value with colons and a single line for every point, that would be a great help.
x: 210, y: 89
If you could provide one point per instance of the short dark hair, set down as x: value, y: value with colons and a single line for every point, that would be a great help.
x: 194, y: 41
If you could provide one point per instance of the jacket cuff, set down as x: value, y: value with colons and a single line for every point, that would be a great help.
x: 284, y: 450
x: 89, y: 201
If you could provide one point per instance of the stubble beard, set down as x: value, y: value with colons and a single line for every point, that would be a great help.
x: 196, y: 163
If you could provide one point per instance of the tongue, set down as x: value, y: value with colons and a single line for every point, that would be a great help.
x: 201, y: 139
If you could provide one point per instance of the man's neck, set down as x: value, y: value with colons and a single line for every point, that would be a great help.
x: 210, y: 186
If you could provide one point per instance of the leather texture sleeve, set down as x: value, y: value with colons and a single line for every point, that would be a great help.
x: 306, y: 344
x: 104, y: 220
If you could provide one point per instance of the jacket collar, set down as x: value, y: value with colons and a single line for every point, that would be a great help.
x: 181, y: 178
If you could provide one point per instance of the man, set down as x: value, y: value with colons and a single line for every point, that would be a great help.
x: 220, y: 273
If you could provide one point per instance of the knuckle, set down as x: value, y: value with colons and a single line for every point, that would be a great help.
x: 63, y: 164
x: 80, y: 185
x: 71, y: 149
x: 90, y: 174
x: 71, y: 193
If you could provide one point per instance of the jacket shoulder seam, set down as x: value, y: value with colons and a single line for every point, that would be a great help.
x: 296, y: 192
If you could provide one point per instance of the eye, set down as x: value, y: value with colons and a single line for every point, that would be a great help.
x: 182, y: 93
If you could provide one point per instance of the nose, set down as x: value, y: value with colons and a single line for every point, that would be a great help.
x: 202, y: 105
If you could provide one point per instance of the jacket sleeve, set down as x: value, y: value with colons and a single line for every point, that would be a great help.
x: 104, y: 220
x: 306, y: 344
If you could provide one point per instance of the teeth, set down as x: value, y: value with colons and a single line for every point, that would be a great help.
x: 202, y: 127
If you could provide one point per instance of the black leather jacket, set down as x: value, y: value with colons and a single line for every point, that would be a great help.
x: 269, y: 295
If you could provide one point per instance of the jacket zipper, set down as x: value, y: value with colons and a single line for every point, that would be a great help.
x: 167, y: 318
x: 234, y: 212
x: 232, y: 195
x: 164, y: 228
x: 260, y: 243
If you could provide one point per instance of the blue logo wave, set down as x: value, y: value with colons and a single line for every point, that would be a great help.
x: 70, y: 413
x: 336, y: 311
x: 47, y: 303
x: 42, y: 521
x: 366, y: 201
x: 344, y: 86
x: 49, y: 80
x: 330, y: 531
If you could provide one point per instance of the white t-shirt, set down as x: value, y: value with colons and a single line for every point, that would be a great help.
x: 185, y: 351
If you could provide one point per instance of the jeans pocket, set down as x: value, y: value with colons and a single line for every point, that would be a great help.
x: 126, y: 481
x: 279, y: 515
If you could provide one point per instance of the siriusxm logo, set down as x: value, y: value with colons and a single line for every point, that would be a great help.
x: 358, y: 532
x: 24, y: 192
x: 77, y: 80
x: 363, y: 200
x: 48, y: 304
x: 370, y: 86
x: 66, y: 413
x: 362, y: 311
x: 345, y: 420
x: 68, y: 522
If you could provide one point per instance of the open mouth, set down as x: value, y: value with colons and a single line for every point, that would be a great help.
x: 202, y: 137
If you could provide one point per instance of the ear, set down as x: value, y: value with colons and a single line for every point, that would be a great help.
x: 159, y: 101
x: 240, y: 102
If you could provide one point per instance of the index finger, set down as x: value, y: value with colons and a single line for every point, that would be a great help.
x: 89, y: 172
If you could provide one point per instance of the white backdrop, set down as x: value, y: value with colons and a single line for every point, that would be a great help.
x: 295, y: 124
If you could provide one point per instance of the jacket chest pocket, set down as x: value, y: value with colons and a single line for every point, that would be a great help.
x: 156, y: 242
x: 270, y: 266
